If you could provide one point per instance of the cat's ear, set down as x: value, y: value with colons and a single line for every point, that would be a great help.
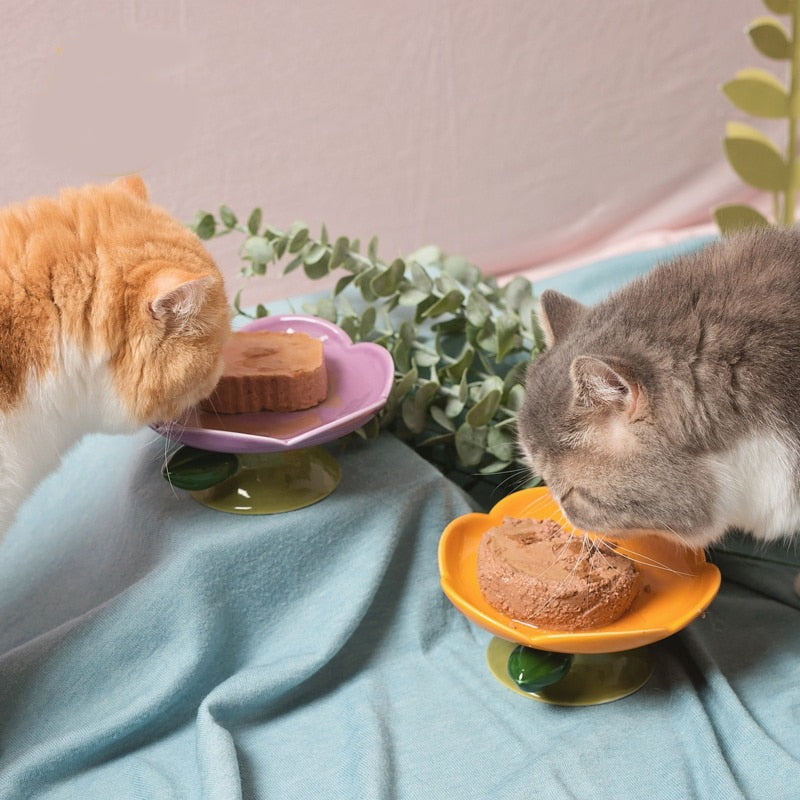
x: 558, y: 313
x: 132, y: 184
x: 176, y: 295
x: 602, y: 382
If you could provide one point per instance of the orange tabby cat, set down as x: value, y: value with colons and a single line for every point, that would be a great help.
x: 112, y: 316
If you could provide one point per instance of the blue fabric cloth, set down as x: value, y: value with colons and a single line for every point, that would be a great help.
x: 152, y: 648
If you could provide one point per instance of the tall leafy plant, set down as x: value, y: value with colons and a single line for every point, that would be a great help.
x: 752, y: 154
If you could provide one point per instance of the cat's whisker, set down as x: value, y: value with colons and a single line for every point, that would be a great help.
x: 538, y: 503
x: 647, y: 561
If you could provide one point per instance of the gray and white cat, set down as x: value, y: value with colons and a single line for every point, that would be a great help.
x: 674, y: 404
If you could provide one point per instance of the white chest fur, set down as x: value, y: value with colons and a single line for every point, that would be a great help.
x: 758, y: 487
x: 73, y: 399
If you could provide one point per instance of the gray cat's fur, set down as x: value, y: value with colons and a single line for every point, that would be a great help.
x: 674, y: 405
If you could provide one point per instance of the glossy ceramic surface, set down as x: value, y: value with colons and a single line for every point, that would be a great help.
x: 271, y: 483
x: 592, y: 678
x: 678, y: 584
x: 360, y: 377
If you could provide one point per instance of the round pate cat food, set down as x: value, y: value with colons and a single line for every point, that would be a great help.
x: 536, y: 572
x: 269, y: 371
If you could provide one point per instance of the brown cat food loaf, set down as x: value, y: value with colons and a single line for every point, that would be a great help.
x: 536, y: 572
x: 270, y: 371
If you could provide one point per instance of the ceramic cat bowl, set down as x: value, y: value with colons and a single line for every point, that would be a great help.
x: 271, y: 462
x: 678, y: 585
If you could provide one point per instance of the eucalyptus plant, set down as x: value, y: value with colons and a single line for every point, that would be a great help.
x: 753, y: 156
x: 459, y: 340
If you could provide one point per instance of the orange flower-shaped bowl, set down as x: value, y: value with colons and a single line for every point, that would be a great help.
x: 678, y: 583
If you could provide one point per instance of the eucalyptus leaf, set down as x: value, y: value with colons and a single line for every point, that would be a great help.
x: 462, y: 270
x: 372, y: 249
x: 411, y: 296
x: 343, y: 283
x: 204, y: 225
x: 317, y: 270
x: 441, y: 418
x: 414, y: 416
x: 407, y: 332
x: 422, y: 358
x: 339, y: 252
x: 491, y: 383
x: 445, y: 283
x: 477, y: 310
x: 453, y: 407
x: 507, y: 334
x: 388, y: 281
x: 279, y: 246
x: 487, y: 338
x: 258, y: 249
x: 538, y: 334
x: 314, y: 253
x: 470, y: 443
x: 298, y: 237
x: 370, y: 430
x: 494, y: 467
x: 426, y: 393
x: 516, y: 291
x: 237, y: 302
x: 401, y: 352
x: 483, y: 411
x: 447, y: 304
x: 324, y: 308
x: 463, y: 389
x: 227, y: 217
x: 500, y: 444
x: 367, y: 323
x: 423, y: 307
x: 420, y: 278
x: 350, y: 325
x: 516, y: 394
x: 456, y: 371
x: 293, y: 265
x: 254, y: 221
x: 430, y: 254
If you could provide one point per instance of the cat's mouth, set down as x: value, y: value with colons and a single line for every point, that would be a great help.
x: 586, y: 512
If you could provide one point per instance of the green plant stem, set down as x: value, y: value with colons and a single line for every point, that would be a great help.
x: 794, y: 100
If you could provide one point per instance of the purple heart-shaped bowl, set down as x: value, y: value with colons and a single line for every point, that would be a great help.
x: 360, y: 377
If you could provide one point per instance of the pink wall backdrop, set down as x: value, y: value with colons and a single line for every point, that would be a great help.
x: 516, y: 132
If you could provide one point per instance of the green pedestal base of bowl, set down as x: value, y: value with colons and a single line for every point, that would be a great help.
x: 592, y: 678
x: 271, y: 483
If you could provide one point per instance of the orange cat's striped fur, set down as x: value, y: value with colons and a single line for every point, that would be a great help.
x: 112, y: 316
